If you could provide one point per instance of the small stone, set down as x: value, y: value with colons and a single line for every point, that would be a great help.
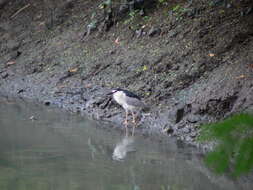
x: 217, y: 2
x: 186, y: 130
x: 13, y: 45
x: 112, y: 52
x: 20, y: 91
x: 141, y: 12
x: 4, y: 75
x: 33, y: 118
x: 172, y: 34
x: 153, y: 31
x: 169, y: 130
x: 229, y: 5
x: 193, y: 134
x: 47, y: 103
x: 192, y: 12
x: 188, y: 139
x: 175, y: 68
x: 193, y: 118
x: 123, y: 9
x: 249, y: 11
x: 138, y: 33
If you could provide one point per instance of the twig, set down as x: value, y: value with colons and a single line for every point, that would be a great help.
x: 95, y: 71
x: 20, y: 10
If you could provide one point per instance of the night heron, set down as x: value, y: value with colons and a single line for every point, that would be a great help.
x: 129, y: 101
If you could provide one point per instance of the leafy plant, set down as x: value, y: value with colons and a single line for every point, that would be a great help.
x: 105, y: 4
x: 163, y: 2
x: 179, y: 11
x: 146, y: 18
x: 177, y: 8
x: 132, y: 15
x: 234, y: 144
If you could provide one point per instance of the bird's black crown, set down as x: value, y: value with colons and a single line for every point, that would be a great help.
x: 128, y: 93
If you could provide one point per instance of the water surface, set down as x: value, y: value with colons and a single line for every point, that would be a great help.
x: 43, y: 148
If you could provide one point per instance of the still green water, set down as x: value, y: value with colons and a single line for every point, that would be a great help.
x: 43, y: 148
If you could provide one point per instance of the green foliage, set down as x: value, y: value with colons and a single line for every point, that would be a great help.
x: 177, y: 8
x: 163, y: 2
x: 135, y: 19
x: 146, y: 18
x: 234, y: 144
x: 132, y: 16
x: 179, y: 11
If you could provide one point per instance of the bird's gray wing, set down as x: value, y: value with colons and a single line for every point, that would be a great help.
x: 135, y: 102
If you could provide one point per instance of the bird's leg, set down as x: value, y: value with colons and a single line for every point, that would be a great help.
x: 125, y: 122
x: 134, y: 119
x: 134, y: 122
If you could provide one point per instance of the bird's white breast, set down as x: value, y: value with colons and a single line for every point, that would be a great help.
x: 119, y: 97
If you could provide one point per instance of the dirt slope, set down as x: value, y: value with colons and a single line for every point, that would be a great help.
x: 191, y: 62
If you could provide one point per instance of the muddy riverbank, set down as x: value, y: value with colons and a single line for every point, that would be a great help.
x: 192, y: 62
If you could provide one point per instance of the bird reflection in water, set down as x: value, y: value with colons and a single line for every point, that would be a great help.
x: 123, y: 147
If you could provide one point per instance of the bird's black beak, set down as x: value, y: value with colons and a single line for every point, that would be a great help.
x: 110, y: 93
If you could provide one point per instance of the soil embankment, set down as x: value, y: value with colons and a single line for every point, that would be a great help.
x: 192, y: 62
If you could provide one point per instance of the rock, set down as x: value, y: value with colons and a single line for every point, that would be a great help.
x: 32, y: 118
x: 168, y: 129
x: 193, y: 12
x: 181, y: 125
x: 193, y: 118
x: 4, y: 75
x: 176, y: 114
x: 179, y: 115
x: 154, y: 31
x: 20, y: 91
x: 96, y: 102
x: 47, y: 103
x: 13, y: 45
x: 139, y: 33
x: 112, y: 52
x: 123, y: 9
x: 217, y: 2
x: 175, y: 68
x: 229, y: 5
x: 188, y: 139
x: 141, y: 12
x: 248, y: 11
x: 186, y: 130
x: 172, y: 34
x: 193, y: 134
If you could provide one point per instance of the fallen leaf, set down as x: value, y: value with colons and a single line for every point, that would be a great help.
x: 10, y: 63
x: 101, y: 6
x: 87, y: 85
x: 61, y: 86
x: 241, y: 77
x: 143, y: 26
x: 32, y: 118
x: 73, y: 70
x: 117, y: 40
x: 41, y: 23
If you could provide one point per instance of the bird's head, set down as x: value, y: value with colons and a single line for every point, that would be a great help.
x: 114, y: 91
